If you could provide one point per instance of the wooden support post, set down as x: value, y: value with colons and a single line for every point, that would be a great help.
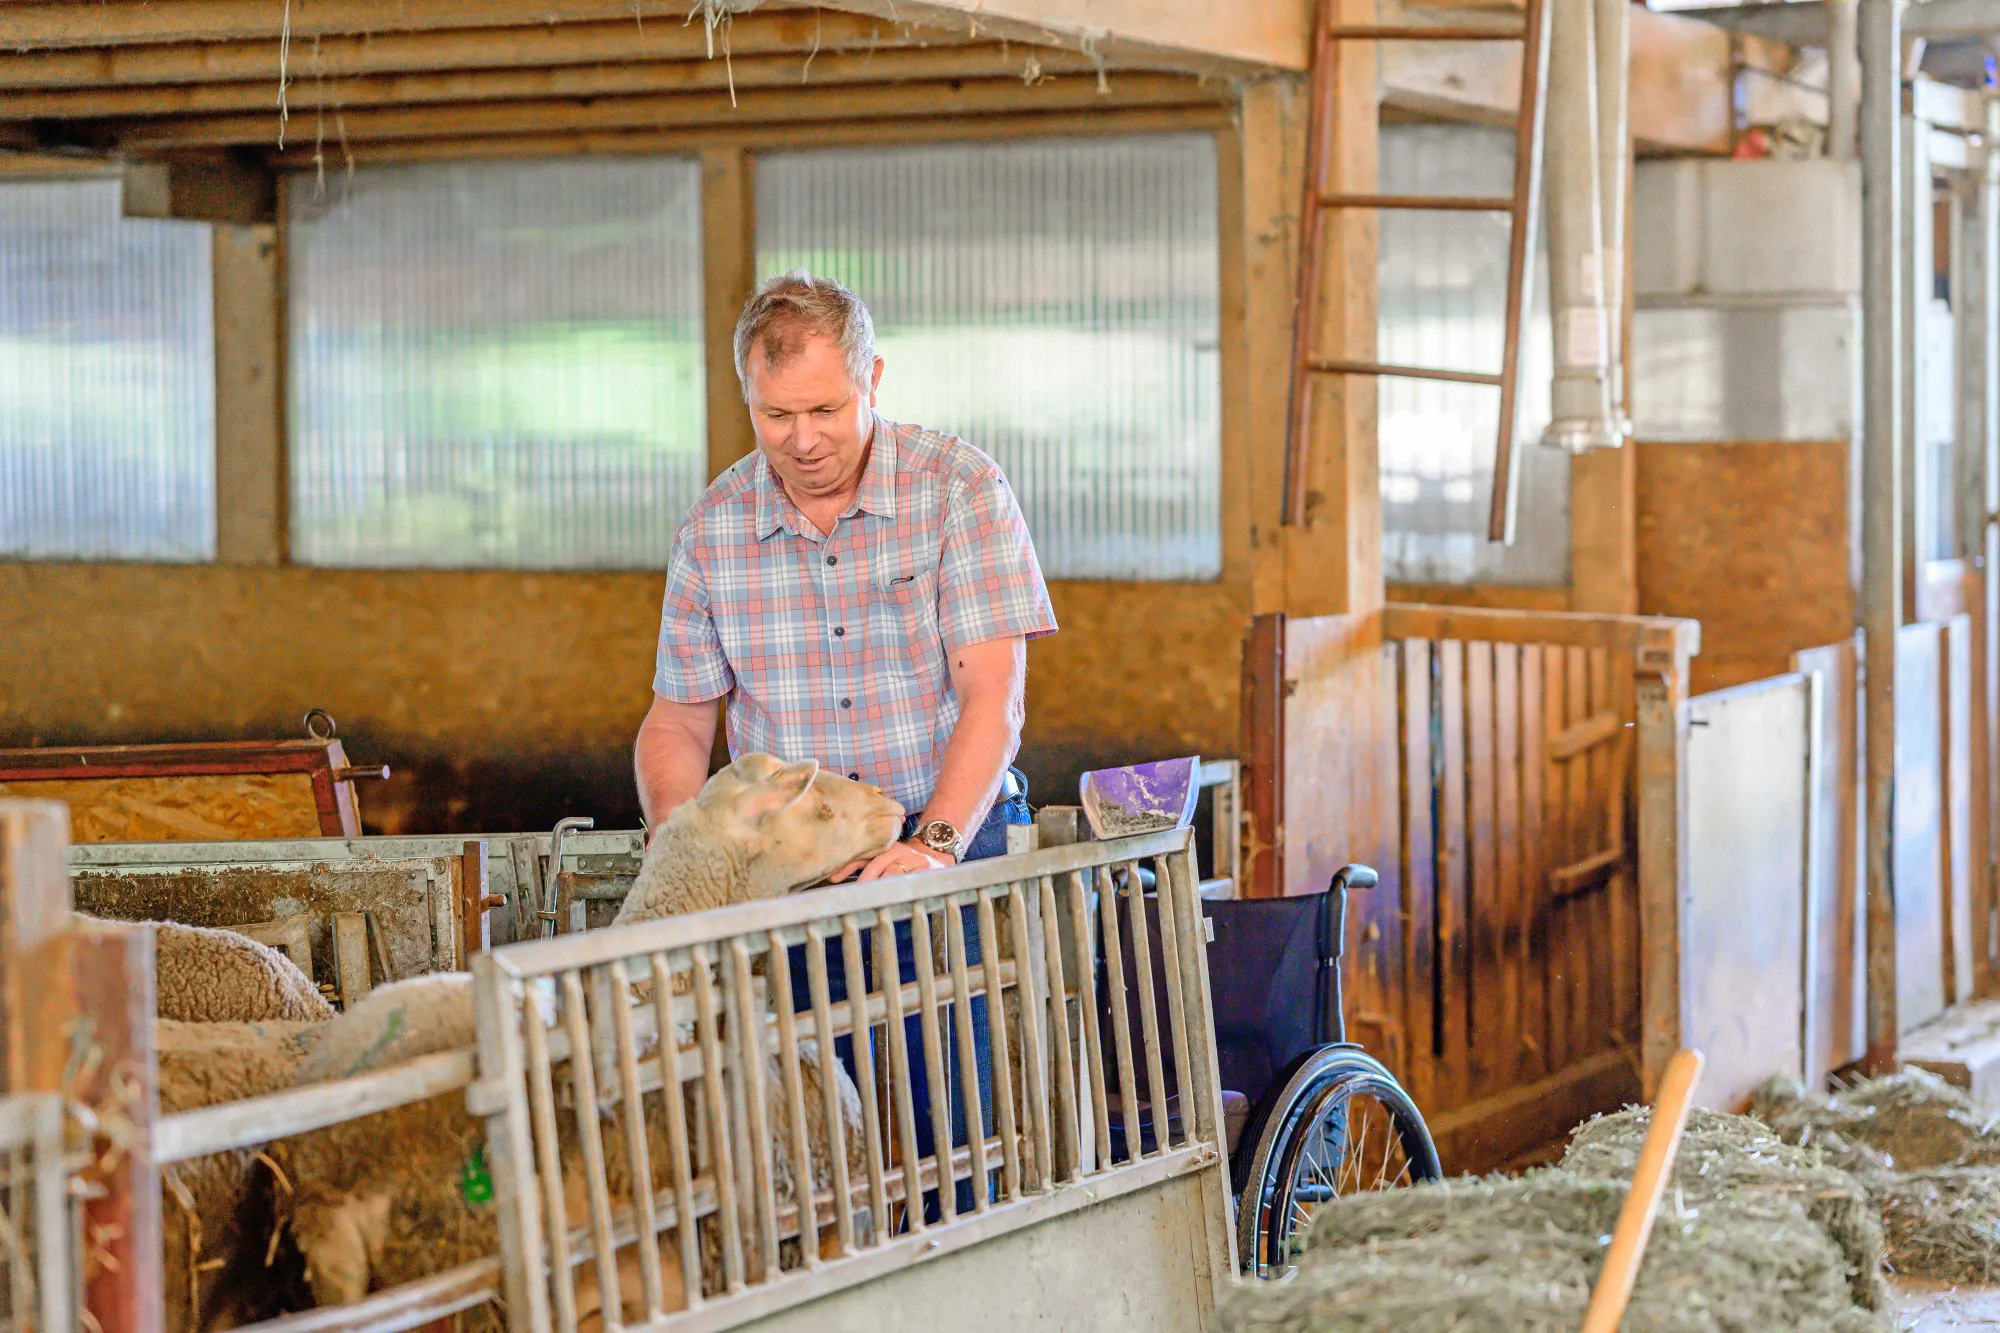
x: 1661, y: 684
x: 474, y: 904
x: 76, y: 1017
x: 1264, y: 747
x: 251, y: 509
x: 729, y: 274
x: 1604, y: 532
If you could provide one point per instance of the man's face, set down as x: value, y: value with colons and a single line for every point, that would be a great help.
x: 812, y: 421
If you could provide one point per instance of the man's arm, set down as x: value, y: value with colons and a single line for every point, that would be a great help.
x: 671, y: 755
x: 990, y: 680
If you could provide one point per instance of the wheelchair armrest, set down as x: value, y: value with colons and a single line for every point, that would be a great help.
x: 1355, y: 876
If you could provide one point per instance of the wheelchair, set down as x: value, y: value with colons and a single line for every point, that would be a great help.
x: 1310, y: 1115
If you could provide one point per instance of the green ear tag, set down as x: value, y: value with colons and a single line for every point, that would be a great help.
x: 475, y: 1182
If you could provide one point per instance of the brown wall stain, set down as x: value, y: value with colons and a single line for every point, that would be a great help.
x: 1751, y: 539
x: 505, y: 700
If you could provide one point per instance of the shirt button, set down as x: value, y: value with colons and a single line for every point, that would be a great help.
x: 839, y: 631
x: 847, y: 703
x: 833, y: 560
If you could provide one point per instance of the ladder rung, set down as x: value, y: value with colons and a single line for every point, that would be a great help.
x: 1325, y: 367
x: 1405, y: 32
x: 1448, y: 203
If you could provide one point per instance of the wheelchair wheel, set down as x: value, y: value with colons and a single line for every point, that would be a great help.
x: 1341, y: 1125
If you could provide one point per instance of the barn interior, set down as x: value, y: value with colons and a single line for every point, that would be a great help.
x: 1545, y: 451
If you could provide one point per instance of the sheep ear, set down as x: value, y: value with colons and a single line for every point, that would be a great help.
x: 777, y: 791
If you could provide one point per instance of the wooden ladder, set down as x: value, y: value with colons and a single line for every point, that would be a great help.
x: 1324, y: 194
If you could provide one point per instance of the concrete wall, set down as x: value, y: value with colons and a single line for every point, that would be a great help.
x: 505, y: 700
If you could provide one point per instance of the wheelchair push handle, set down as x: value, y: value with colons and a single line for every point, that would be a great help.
x: 1351, y: 876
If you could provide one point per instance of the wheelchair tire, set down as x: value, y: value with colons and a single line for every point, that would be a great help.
x: 1339, y: 1125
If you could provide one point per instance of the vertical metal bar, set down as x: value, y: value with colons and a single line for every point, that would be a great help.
x: 829, y: 1087
x: 52, y: 1228
x: 1068, y: 1149
x: 888, y: 975
x: 1880, y: 23
x: 703, y: 959
x: 1149, y: 1015
x: 1614, y: 149
x: 542, y: 1088
x: 1166, y: 892
x: 1580, y: 400
x: 1031, y: 1042
x: 746, y: 1024
x: 1843, y: 86
x: 1986, y: 508
x: 1913, y: 301
x: 1093, y: 1039
x: 583, y: 1080
x: 779, y: 969
x: 937, y: 1077
x: 1529, y: 120
x: 968, y: 1065
x: 1121, y: 1021
x: 632, y: 1113
x: 510, y: 1147
x: 996, y: 1029
x: 863, y: 1040
x: 675, y: 1092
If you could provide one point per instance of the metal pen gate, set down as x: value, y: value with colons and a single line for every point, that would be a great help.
x: 719, y: 1200
x: 39, y: 1251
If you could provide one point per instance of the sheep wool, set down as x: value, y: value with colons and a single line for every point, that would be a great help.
x: 216, y: 1213
x: 204, y: 975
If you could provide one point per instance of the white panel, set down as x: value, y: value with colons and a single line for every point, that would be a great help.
x: 1053, y: 302
x: 497, y: 364
x: 107, y: 379
x: 1742, y: 928
x: 1724, y: 228
x: 1756, y: 372
x: 1443, y: 300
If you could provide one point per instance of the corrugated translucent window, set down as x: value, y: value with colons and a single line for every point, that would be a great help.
x: 497, y: 364
x: 1054, y: 303
x: 1443, y: 302
x: 107, y: 379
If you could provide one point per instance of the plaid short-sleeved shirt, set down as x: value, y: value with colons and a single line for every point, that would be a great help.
x: 834, y: 648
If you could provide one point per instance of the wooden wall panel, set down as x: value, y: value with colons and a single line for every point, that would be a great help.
x: 1708, y: 519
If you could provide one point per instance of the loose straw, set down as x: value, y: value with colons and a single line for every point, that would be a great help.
x: 1642, y: 1204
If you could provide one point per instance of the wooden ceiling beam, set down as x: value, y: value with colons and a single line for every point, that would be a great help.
x: 342, y: 56
x: 43, y: 25
x: 817, y: 134
x: 755, y: 106
x: 307, y: 91
x: 1242, y: 36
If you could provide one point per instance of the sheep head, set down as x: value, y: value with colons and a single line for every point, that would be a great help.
x: 759, y: 829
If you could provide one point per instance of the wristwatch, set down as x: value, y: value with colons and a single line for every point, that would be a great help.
x: 942, y: 837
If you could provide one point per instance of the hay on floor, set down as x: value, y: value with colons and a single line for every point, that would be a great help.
x: 1754, y: 1234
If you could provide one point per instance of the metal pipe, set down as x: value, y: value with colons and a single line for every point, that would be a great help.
x: 1878, y: 25
x: 1613, y: 19
x: 1580, y: 395
x: 1843, y: 84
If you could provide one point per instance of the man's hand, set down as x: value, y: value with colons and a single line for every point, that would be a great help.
x: 902, y: 859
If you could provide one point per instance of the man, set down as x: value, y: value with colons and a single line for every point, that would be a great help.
x: 861, y: 592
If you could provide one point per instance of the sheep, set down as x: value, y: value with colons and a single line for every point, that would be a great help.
x: 217, y: 1222
x: 386, y: 1200
x: 204, y: 975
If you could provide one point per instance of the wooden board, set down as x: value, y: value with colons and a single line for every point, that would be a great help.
x: 1837, y: 915
x: 1742, y: 922
x: 1960, y: 872
x: 206, y: 808
x: 1920, y: 811
x: 1705, y: 549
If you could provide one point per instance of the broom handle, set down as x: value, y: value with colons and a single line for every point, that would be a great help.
x: 1642, y: 1203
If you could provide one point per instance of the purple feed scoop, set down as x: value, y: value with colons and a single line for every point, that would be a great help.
x: 1140, y: 798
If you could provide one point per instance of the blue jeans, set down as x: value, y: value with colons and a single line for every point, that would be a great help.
x: 990, y: 841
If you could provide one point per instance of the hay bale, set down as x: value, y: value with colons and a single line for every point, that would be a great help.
x: 1943, y: 1224
x: 1911, y: 1120
x: 1730, y: 1159
x: 1522, y: 1254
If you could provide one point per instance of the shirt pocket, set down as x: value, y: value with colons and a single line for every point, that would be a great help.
x: 903, y: 616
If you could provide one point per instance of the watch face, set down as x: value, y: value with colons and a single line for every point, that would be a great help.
x: 938, y: 835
